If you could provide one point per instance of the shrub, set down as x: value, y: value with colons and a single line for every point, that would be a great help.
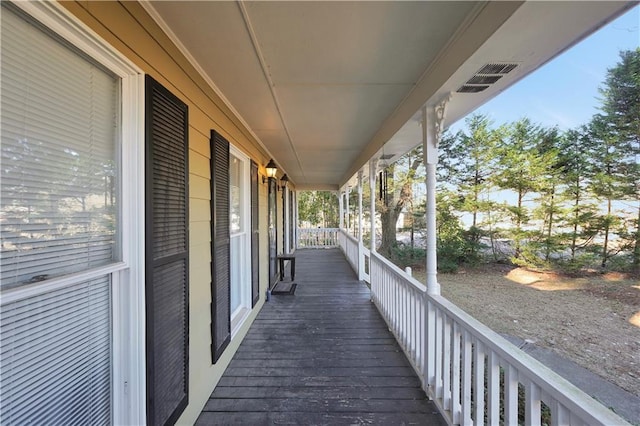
x: 403, y: 255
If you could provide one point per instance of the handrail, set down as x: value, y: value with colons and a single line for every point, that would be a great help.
x: 349, y: 246
x: 462, y: 363
x: 317, y: 237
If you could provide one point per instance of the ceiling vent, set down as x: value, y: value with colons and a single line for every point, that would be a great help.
x: 497, y: 69
x: 386, y: 156
x: 468, y: 88
x: 484, y: 79
x: 486, y: 76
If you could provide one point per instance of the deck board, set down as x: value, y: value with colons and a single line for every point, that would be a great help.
x: 322, y: 356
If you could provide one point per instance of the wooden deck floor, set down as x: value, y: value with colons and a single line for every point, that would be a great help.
x: 322, y: 356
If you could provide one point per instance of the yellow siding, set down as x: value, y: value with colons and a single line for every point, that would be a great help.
x: 127, y: 27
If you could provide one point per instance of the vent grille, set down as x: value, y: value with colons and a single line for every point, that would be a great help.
x: 487, y: 75
x: 497, y: 69
x: 386, y: 156
x: 484, y: 79
x: 467, y: 88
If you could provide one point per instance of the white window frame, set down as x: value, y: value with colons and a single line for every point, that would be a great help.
x: 239, y: 316
x: 128, y: 297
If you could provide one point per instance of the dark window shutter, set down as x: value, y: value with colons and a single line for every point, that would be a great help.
x: 255, y: 236
x: 220, y: 246
x: 167, y: 254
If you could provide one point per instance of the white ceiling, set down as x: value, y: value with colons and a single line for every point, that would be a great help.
x: 324, y: 85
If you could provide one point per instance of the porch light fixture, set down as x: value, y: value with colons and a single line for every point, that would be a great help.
x: 272, y: 169
x: 284, y: 180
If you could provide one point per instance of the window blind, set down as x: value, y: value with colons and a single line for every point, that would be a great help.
x: 58, y: 203
x: 56, y: 357
x: 58, y: 188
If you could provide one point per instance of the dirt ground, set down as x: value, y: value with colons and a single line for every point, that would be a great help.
x: 593, y: 320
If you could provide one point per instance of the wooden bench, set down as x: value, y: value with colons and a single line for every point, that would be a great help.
x: 292, y: 258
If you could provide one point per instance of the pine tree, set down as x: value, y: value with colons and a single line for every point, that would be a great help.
x: 609, y: 181
x: 549, y: 208
x: 621, y: 110
x: 521, y: 169
x: 574, y: 159
x: 469, y: 160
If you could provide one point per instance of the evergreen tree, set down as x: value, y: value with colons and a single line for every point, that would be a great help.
x: 468, y: 162
x: 621, y: 109
x: 574, y: 159
x: 521, y: 169
x: 608, y: 181
x: 549, y: 208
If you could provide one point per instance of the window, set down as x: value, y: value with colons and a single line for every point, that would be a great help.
x: 69, y: 137
x: 59, y: 195
x: 231, y: 275
x: 239, y: 194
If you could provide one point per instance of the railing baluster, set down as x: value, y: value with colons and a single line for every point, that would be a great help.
x: 493, y: 389
x: 479, y: 391
x: 440, y: 356
x: 467, y: 378
x: 532, y: 404
x: 430, y: 349
x: 560, y: 416
x: 455, y: 376
x: 446, y: 362
x: 510, y: 395
x: 417, y: 325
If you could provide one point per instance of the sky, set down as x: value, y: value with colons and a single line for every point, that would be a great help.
x: 564, y: 92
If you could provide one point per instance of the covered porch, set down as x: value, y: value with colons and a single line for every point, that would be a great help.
x: 322, y: 356
x: 327, y: 92
x: 382, y: 350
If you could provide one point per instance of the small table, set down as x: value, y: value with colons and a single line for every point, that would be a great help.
x: 292, y: 258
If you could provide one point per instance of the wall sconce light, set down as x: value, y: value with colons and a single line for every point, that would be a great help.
x: 284, y: 180
x: 272, y: 169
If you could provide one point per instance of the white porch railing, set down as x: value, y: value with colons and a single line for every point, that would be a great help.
x: 357, y: 255
x: 349, y: 246
x: 473, y: 374
x: 317, y: 237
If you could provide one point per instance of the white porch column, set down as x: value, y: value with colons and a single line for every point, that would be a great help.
x: 372, y: 195
x: 360, y: 206
x: 341, y: 208
x: 295, y: 223
x: 347, y: 193
x: 286, y: 202
x: 432, y: 121
x: 360, y: 244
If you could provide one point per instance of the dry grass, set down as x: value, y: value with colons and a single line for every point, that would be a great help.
x: 592, y: 320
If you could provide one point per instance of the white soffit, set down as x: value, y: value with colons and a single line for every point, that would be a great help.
x: 324, y: 85
x: 563, y: 24
x: 309, y: 77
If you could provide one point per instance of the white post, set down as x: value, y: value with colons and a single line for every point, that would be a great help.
x: 341, y: 208
x: 372, y: 197
x: 347, y: 207
x: 433, y: 287
x: 295, y: 220
x: 286, y: 201
x: 432, y: 121
x: 360, y: 244
x: 360, y: 206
